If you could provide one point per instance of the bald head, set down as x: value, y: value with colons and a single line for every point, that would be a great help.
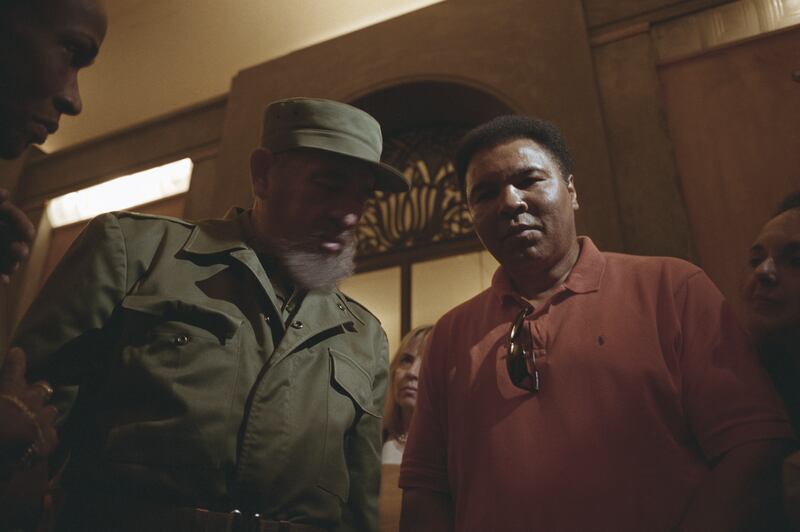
x: 43, y: 46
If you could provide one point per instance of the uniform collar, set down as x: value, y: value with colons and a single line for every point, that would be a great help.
x: 230, y: 235
x: 221, y: 235
x: 585, y: 277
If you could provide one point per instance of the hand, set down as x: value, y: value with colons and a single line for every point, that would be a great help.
x: 16, y: 236
x: 20, y: 427
x: 27, y: 424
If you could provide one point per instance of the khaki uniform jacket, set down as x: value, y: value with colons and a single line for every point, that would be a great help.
x: 181, y: 385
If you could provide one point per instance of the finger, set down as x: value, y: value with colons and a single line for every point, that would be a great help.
x: 5, y: 278
x: 47, y: 418
x: 17, y: 225
x: 37, y: 395
x: 45, y: 389
x: 47, y: 519
x: 8, y: 267
x: 12, y: 374
x: 18, y: 250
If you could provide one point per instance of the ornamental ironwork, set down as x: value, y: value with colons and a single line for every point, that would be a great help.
x: 433, y: 209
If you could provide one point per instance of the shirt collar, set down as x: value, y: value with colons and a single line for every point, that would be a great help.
x: 585, y: 277
x: 217, y: 236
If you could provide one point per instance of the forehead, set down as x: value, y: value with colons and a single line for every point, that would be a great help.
x: 87, y: 16
x: 783, y: 228
x: 414, y: 344
x: 510, y: 157
x: 313, y: 163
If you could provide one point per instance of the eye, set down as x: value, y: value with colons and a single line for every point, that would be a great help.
x: 484, y: 194
x: 406, y: 360
x: 527, y: 182
x: 79, y: 54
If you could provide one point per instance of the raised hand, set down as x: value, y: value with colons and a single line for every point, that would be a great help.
x: 16, y: 236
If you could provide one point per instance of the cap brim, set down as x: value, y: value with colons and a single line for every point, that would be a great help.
x: 389, y: 179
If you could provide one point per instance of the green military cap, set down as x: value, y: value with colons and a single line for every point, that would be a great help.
x: 331, y: 126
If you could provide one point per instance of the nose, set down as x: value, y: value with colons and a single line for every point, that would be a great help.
x: 68, y: 100
x: 766, y: 273
x: 413, y: 371
x: 511, y: 202
x: 347, y: 215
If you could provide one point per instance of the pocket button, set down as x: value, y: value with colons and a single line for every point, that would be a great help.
x: 297, y: 325
x: 181, y: 339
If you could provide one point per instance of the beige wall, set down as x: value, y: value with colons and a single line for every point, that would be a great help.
x: 587, y: 65
x: 534, y: 56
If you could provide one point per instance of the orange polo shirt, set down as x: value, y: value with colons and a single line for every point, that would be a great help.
x: 646, y: 378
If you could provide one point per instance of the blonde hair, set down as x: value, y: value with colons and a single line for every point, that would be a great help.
x: 392, y: 415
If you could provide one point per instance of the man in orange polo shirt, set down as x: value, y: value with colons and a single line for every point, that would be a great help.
x: 583, y: 391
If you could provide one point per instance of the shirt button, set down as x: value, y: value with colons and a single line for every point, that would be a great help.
x: 267, y: 318
x: 181, y: 339
x: 340, y: 306
x: 297, y: 325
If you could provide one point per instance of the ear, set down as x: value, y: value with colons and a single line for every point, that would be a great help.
x: 261, y: 160
x: 573, y: 194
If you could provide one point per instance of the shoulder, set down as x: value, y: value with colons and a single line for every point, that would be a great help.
x: 671, y: 269
x: 141, y: 220
x: 152, y: 229
x: 358, y: 309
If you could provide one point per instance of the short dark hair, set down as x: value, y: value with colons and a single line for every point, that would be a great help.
x: 508, y: 128
x: 792, y: 201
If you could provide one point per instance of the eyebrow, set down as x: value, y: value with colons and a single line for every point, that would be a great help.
x: 522, y: 172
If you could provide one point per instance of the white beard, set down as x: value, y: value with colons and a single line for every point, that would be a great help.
x: 317, y: 270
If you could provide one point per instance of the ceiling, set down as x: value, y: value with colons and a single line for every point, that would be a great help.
x: 161, y: 56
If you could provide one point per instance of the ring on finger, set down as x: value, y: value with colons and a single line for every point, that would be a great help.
x: 48, y: 390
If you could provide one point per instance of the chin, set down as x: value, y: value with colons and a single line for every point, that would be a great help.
x: 12, y: 149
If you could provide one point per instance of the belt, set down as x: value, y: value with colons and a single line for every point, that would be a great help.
x: 183, y: 519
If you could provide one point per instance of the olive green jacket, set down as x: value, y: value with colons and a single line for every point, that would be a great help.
x: 180, y: 383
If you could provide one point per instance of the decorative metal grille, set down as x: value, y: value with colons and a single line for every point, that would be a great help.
x: 432, y: 211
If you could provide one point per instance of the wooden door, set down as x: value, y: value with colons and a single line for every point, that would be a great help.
x: 734, y: 119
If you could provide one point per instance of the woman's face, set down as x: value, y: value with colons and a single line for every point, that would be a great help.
x: 404, y: 379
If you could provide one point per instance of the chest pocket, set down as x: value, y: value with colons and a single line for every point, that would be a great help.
x: 349, y: 399
x: 172, y: 383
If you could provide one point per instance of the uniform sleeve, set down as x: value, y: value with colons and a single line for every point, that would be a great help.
x: 424, y: 463
x: 728, y: 397
x: 60, y: 332
x: 363, y: 451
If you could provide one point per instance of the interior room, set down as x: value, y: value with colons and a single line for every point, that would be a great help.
x: 681, y: 116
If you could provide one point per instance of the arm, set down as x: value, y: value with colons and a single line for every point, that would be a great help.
x: 59, y: 330
x: 427, y: 503
x: 734, y: 415
x: 426, y: 511
x: 363, y: 450
x: 27, y: 436
x: 743, y: 491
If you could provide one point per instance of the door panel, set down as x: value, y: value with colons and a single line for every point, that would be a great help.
x: 734, y: 119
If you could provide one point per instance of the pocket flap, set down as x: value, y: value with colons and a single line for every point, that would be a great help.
x: 354, y: 379
x: 221, y: 323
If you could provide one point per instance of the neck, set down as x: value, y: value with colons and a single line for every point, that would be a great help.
x: 406, y: 415
x: 257, y: 234
x: 780, y: 354
x: 537, y: 285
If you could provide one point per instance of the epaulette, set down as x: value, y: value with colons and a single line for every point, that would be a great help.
x: 144, y: 216
x: 362, y: 307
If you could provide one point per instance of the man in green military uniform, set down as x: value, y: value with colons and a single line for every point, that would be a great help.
x: 210, y: 374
